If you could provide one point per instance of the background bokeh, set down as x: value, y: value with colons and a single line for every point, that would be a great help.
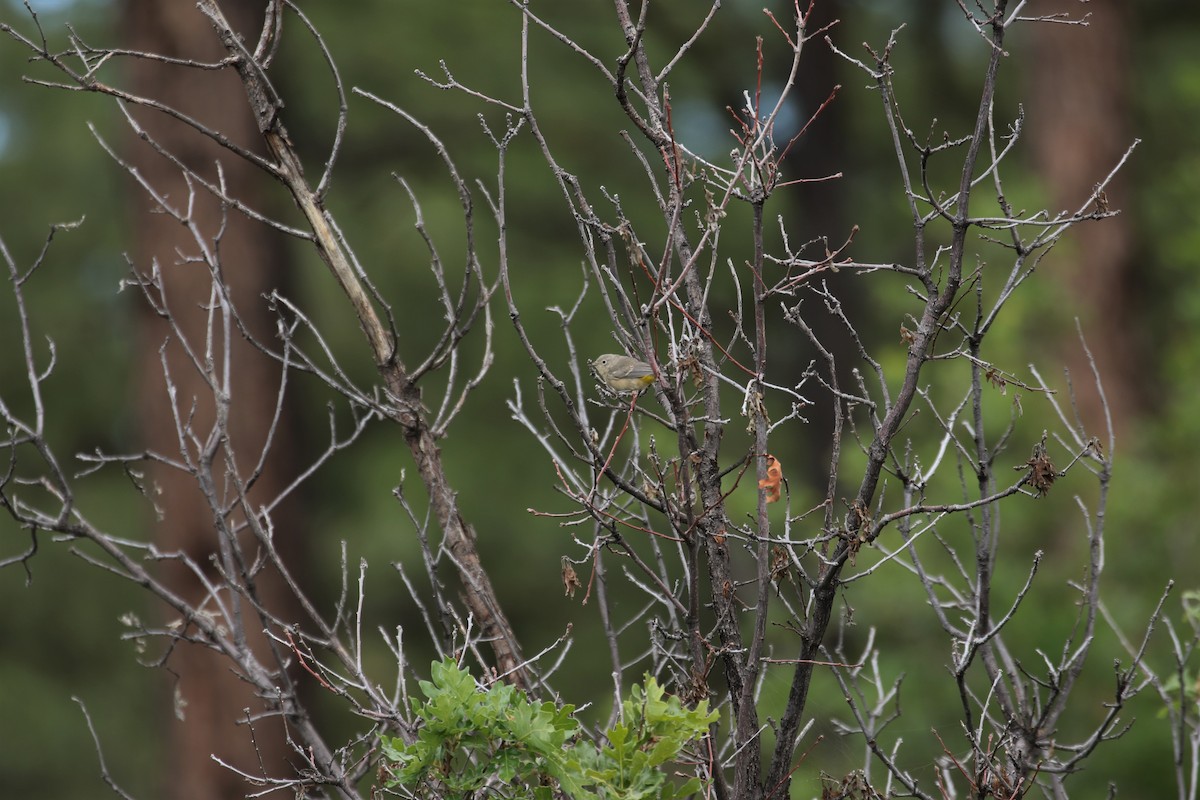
x: 60, y: 629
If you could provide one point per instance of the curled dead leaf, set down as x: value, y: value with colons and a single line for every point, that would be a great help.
x: 569, y: 578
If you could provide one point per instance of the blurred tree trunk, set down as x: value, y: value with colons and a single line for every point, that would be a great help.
x: 1079, y: 123
x: 214, y: 700
x: 818, y: 210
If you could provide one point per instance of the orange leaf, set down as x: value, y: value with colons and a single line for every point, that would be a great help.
x: 772, y: 483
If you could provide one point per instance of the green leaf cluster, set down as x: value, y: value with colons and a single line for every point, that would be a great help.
x: 471, y: 738
x: 1183, y: 685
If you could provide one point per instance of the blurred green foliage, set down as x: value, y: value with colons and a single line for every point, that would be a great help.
x: 60, y: 631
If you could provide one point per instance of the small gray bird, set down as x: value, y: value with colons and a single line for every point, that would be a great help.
x: 622, y: 373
